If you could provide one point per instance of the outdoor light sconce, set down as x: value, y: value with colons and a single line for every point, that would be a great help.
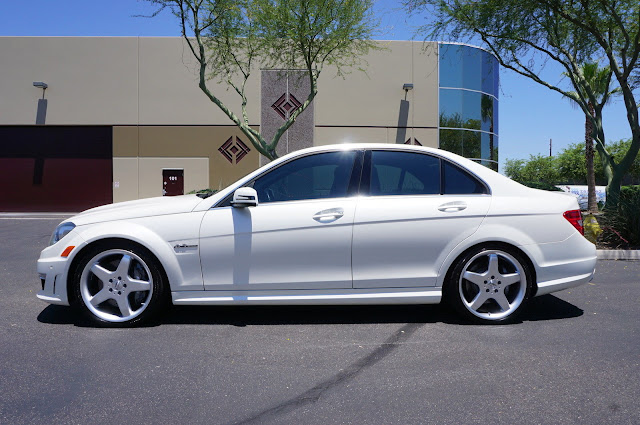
x: 41, y: 85
x: 405, y: 86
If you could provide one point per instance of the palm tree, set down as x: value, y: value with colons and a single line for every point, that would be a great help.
x: 596, y: 80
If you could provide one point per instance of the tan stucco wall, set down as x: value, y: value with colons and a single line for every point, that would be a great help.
x: 169, y: 92
x: 196, y: 174
x: 331, y: 135
x: 91, y: 80
x: 373, y: 98
x: 202, y: 142
x: 147, y: 89
x: 153, y: 81
x: 125, y: 179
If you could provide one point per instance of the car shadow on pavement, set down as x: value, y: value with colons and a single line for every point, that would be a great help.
x: 546, y: 307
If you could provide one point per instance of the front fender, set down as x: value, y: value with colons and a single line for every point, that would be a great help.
x: 160, y: 245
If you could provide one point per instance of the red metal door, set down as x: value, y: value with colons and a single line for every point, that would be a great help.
x: 172, y: 182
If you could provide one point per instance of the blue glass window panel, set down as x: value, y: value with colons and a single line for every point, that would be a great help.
x: 451, y: 140
x: 471, y: 144
x: 496, y: 79
x: 487, y: 113
x: 471, y: 110
x: 489, y: 71
x: 451, y: 108
x: 490, y: 150
x: 495, y: 116
x: 451, y: 65
x: 472, y: 72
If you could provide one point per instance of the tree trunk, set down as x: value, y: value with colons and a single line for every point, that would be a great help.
x: 592, y: 203
x: 613, y: 189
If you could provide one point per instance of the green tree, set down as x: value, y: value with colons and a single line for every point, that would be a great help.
x: 538, y: 169
x: 572, y: 166
x: 232, y: 38
x: 618, y: 150
x: 513, y: 169
x: 525, y: 35
x: 598, y: 80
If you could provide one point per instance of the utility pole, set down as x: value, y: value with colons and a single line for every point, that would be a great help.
x: 550, y: 147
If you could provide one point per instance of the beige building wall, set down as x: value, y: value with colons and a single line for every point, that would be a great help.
x: 196, y: 174
x: 153, y: 81
x: 125, y: 179
x: 169, y: 92
x: 91, y: 80
x: 133, y: 145
x: 147, y: 89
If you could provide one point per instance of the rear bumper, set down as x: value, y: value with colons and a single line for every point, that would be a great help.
x: 564, y: 283
x: 563, y: 265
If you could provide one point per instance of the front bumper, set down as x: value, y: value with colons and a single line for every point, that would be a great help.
x: 54, y: 273
x: 54, y: 269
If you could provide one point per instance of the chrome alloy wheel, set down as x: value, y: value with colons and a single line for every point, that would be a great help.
x: 492, y: 285
x: 116, y: 285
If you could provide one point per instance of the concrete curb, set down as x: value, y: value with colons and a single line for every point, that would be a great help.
x: 618, y: 254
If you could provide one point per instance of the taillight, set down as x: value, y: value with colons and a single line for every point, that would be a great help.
x: 575, y: 218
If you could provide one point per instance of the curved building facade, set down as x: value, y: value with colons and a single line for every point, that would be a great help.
x: 468, y: 102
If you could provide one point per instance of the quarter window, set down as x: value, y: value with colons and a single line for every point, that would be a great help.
x: 459, y: 182
x: 324, y: 175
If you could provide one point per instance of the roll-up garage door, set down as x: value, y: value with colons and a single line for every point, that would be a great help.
x: 55, y: 168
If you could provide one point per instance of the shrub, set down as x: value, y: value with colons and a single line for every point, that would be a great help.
x: 621, y: 228
x: 542, y: 186
x: 212, y: 191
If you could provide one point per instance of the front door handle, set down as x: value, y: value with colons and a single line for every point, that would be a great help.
x: 454, y: 206
x: 325, y: 216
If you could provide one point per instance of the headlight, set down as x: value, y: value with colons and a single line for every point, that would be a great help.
x: 61, y: 231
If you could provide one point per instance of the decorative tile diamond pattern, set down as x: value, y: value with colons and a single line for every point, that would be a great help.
x: 286, y: 105
x: 234, y: 148
x: 412, y: 141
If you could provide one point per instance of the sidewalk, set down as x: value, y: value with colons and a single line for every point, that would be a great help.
x: 35, y: 215
x: 618, y: 254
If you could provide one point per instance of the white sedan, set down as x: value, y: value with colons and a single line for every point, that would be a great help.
x: 344, y: 224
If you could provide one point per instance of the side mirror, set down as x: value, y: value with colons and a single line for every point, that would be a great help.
x: 245, y: 197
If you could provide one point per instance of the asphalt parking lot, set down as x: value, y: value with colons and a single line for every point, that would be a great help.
x: 574, y: 359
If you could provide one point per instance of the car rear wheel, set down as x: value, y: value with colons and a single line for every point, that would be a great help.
x: 118, y: 285
x: 489, y: 285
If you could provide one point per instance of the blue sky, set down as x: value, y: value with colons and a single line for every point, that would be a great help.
x: 530, y: 114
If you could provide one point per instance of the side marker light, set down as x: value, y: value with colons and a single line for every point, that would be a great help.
x: 67, y: 251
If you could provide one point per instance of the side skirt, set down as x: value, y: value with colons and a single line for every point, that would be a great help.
x: 332, y: 297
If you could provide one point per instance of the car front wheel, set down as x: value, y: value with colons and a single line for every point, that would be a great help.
x: 489, y: 285
x: 118, y: 285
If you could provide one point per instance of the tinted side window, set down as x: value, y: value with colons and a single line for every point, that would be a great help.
x: 459, y: 182
x: 404, y: 173
x: 324, y: 175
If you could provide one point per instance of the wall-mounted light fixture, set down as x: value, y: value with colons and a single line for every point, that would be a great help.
x: 41, y: 85
x: 41, y: 114
x: 405, y: 86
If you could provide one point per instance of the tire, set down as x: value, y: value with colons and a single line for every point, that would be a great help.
x: 489, y: 285
x: 118, y: 284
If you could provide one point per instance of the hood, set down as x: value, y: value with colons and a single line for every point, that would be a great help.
x: 162, y: 205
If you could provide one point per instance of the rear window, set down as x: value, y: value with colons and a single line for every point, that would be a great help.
x: 404, y: 173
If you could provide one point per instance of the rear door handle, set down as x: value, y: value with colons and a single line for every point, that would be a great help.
x: 325, y: 216
x: 454, y: 206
